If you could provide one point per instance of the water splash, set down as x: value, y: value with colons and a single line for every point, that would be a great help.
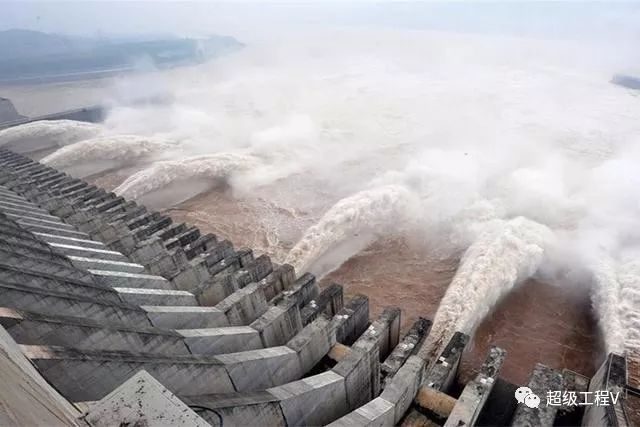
x: 349, y: 226
x: 99, y: 154
x: 616, y: 299
x: 629, y: 307
x: 47, y: 134
x: 207, y: 169
x: 505, y: 253
x: 605, y: 295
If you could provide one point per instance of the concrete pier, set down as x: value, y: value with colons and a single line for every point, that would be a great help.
x: 408, y: 346
x: 108, y: 301
x: 469, y: 405
x: 542, y: 380
x: 610, y: 379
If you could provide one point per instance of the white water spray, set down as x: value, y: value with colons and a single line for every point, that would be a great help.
x: 47, y: 134
x: 506, y: 253
x: 629, y: 308
x: 616, y: 299
x: 99, y: 154
x: 349, y: 226
x: 187, y: 174
x: 606, y: 299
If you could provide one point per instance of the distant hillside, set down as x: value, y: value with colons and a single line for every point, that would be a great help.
x: 26, y: 43
x: 34, y: 56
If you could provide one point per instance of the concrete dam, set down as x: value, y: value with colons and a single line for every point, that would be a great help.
x: 113, y: 314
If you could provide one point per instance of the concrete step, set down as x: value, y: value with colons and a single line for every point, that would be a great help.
x: 142, y: 219
x: 126, y: 215
x: 83, y: 375
x: 79, y: 193
x: 171, y: 231
x: 21, y: 206
x: 31, y: 248
x: 46, y: 179
x: 59, y: 303
x: 119, y: 212
x: 86, y: 334
x: 185, y: 317
x: 55, y: 222
x: 45, y: 173
x: 22, y: 164
x: 99, y: 198
x: 139, y: 296
x: 201, y: 245
x: 85, y: 252
x: 47, y: 282
x: 43, y: 265
x: 105, y: 264
x: 70, y: 186
x: 146, y: 230
x: 27, y: 212
x: 311, y: 401
x: 224, y: 285
x: 212, y: 341
x: 314, y: 400
x: 57, y: 231
x: 245, y: 305
x: 13, y: 235
x: 11, y: 157
x: 100, y: 208
x: 5, y: 190
x: 52, y: 238
x: 183, y: 239
x: 83, y: 333
x: 130, y: 280
x: 91, y: 375
x: 329, y: 302
x: 53, y: 302
x: 11, y: 197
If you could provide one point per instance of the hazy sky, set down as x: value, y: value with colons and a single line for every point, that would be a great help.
x: 263, y: 19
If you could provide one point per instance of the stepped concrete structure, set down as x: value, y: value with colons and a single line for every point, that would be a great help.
x: 111, y: 314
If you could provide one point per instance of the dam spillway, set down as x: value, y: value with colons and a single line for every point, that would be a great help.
x: 114, y: 314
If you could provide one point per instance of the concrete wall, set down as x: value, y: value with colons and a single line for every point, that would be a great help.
x: 27, y: 399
